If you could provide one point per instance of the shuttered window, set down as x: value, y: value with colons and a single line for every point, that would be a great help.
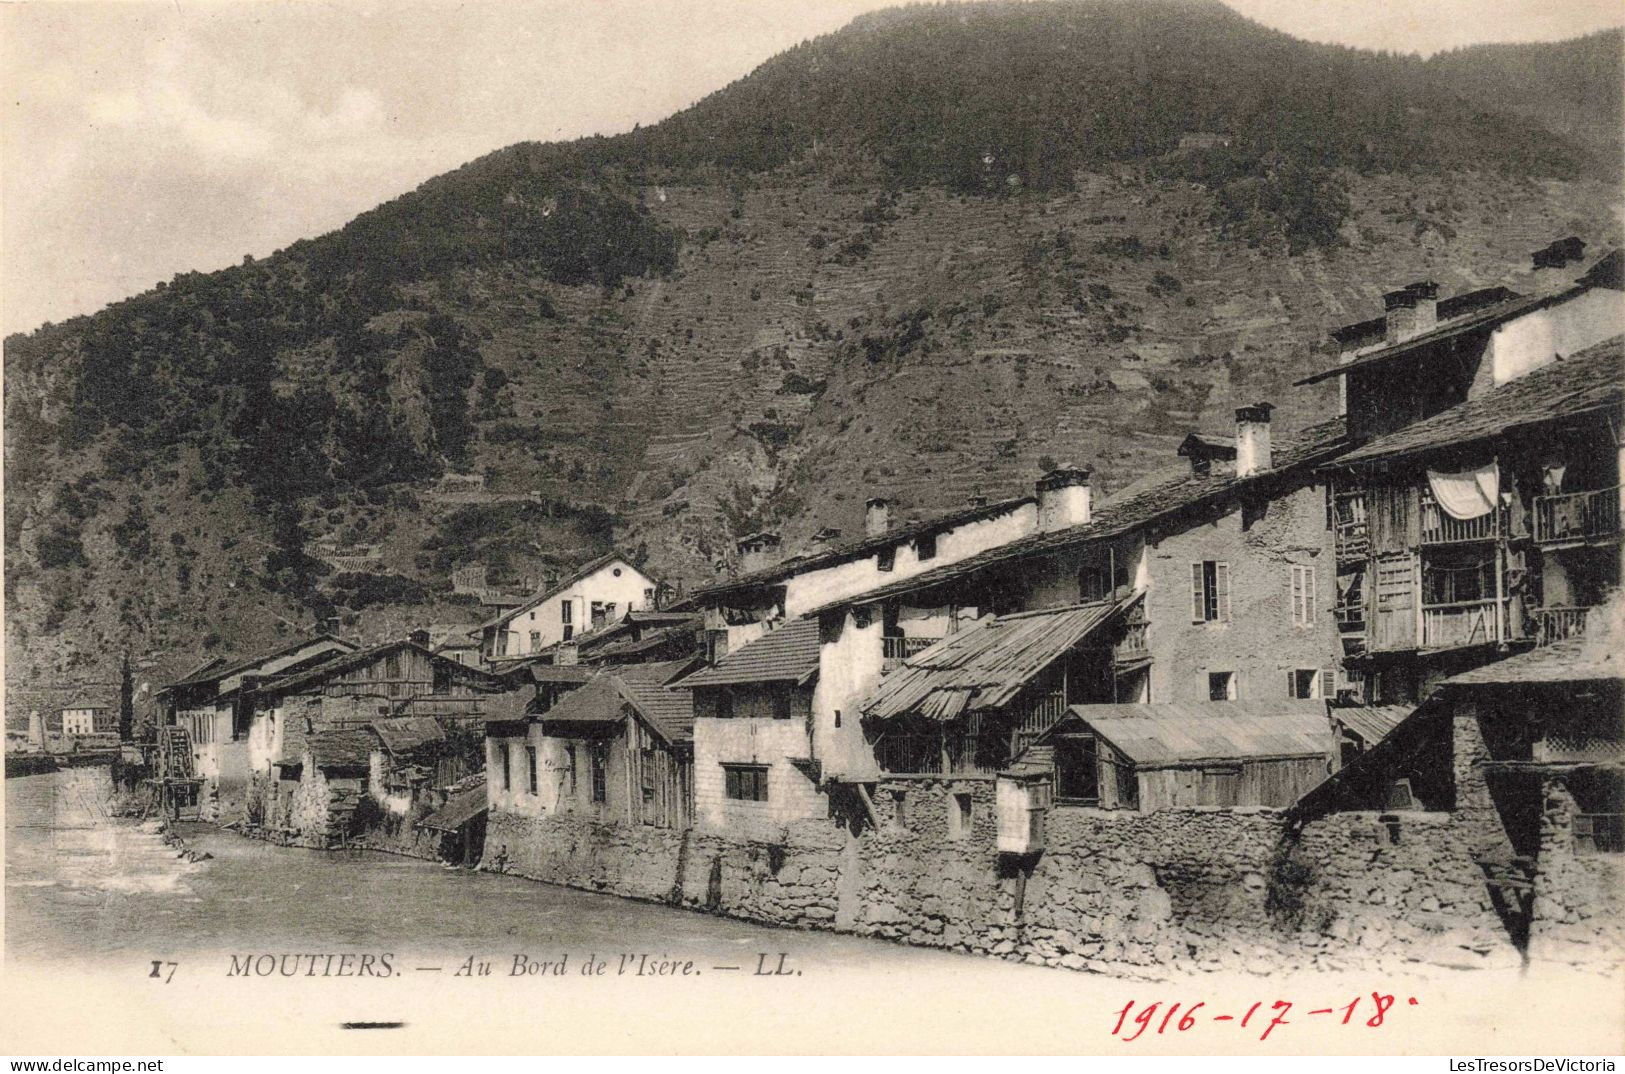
x: 1210, y: 592
x: 1303, y: 596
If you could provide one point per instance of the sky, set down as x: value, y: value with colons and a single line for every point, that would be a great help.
x: 143, y: 138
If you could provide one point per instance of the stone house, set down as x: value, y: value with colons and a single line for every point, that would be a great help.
x: 210, y: 713
x: 755, y: 762
x: 83, y: 718
x: 1488, y: 526
x: 599, y: 592
x: 617, y: 750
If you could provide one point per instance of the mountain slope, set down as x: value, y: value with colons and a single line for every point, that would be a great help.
x: 920, y: 256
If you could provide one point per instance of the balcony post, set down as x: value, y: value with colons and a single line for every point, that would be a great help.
x: 1500, y: 588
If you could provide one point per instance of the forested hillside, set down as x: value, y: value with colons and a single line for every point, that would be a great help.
x: 924, y: 255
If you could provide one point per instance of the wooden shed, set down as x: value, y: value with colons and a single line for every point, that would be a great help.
x: 1167, y: 756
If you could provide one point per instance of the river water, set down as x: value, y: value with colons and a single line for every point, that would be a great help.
x: 101, y: 915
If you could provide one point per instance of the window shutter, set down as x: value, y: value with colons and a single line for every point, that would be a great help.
x: 1198, y: 612
x: 1308, y: 596
x: 1221, y: 574
x: 1291, y: 683
x: 1328, y: 683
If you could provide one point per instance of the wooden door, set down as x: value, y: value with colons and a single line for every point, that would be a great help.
x: 1393, y: 598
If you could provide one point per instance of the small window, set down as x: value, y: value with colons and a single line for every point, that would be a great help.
x: 1304, y: 683
x: 507, y: 778
x: 1221, y: 685
x: 961, y: 815
x: 1077, y: 770
x: 1303, y: 596
x: 535, y: 786
x: 1210, y: 592
x: 925, y: 547
x: 609, y: 611
x: 745, y: 782
x: 597, y: 612
x: 569, y: 631
x: 599, y: 757
x: 725, y: 704
x: 1093, y: 584
x: 648, y: 596
x: 616, y: 572
x: 535, y: 640
x: 570, y: 770
x: 886, y: 559
x: 781, y: 703
x: 566, y: 612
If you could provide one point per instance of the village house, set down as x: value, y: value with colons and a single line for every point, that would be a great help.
x: 618, y: 750
x: 597, y: 593
x: 204, y: 722
x: 84, y: 718
x: 764, y: 593
x: 411, y: 722
x: 1490, y: 526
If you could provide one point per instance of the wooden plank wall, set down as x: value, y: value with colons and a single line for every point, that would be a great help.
x: 657, y: 782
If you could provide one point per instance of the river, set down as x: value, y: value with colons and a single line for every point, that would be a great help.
x: 175, y: 956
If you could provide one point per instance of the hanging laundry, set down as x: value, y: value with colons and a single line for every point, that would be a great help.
x: 1468, y: 493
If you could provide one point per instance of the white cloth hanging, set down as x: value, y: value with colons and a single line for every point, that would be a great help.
x: 1468, y: 493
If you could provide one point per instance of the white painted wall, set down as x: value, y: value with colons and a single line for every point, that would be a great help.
x: 849, y: 667
x: 791, y: 795
x: 1535, y: 339
x: 616, y: 582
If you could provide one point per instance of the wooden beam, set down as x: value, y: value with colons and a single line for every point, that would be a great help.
x: 869, y: 806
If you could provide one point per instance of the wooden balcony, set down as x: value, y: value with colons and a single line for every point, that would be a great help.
x: 1133, y: 647
x: 1453, y: 626
x: 1034, y: 715
x: 894, y: 650
x: 945, y: 752
x: 1351, y: 532
x: 1577, y: 517
x: 1439, y: 528
x: 1558, y: 624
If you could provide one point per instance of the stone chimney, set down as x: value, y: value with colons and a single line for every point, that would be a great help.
x: 419, y: 637
x: 1253, y: 439
x: 876, y: 516
x: 978, y: 500
x: 1411, y: 311
x: 1064, y: 496
x: 757, y: 551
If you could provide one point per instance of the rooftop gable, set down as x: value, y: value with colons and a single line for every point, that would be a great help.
x: 581, y: 573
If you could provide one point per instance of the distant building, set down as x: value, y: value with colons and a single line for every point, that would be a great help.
x: 597, y: 593
x: 83, y: 717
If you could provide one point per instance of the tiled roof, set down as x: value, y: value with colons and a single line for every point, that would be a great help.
x: 1165, y: 735
x: 857, y: 548
x: 642, y: 687
x: 1582, y: 382
x: 344, y: 748
x: 1482, y: 320
x: 403, y: 733
x: 984, y: 666
x: 575, y: 576
x: 788, y: 654
x: 1165, y: 495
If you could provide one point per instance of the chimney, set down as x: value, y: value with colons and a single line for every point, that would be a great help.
x: 756, y: 551
x: 826, y: 536
x: 1549, y: 262
x: 1252, y: 439
x: 978, y: 500
x: 1411, y: 310
x: 876, y: 516
x: 419, y: 637
x: 1064, y: 498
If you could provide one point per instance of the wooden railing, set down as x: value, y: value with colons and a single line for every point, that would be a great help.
x: 1556, y: 624
x: 1599, y: 833
x: 1352, y: 533
x: 1036, y: 715
x: 894, y: 650
x: 1450, y: 626
x: 1133, y: 645
x: 1577, y: 516
x: 943, y: 752
x: 1439, y: 528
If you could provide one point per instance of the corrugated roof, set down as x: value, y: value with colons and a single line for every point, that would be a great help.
x: 788, y: 654
x: 858, y: 548
x: 461, y: 806
x: 1482, y: 320
x: 342, y: 748
x: 1164, y: 735
x: 985, y: 666
x: 1146, y: 501
x: 403, y: 733
x: 1588, y: 380
x: 1371, y: 722
x: 579, y: 573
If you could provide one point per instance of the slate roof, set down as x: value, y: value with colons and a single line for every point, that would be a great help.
x: 1169, y: 735
x: 566, y: 673
x: 604, y: 700
x: 856, y: 548
x: 1162, y: 496
x: 1371, y: 722
x: 404, y: 733
x: 788, y: 654
x: 984, y: 666
x: 1482, y: 320
x: 289, y: 683
x: 341, y: 748
x: 1448, y: 309
x: 1588, y: 380
x: 575, y: 576
x: 215, y: 670
x: 462, y: 806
